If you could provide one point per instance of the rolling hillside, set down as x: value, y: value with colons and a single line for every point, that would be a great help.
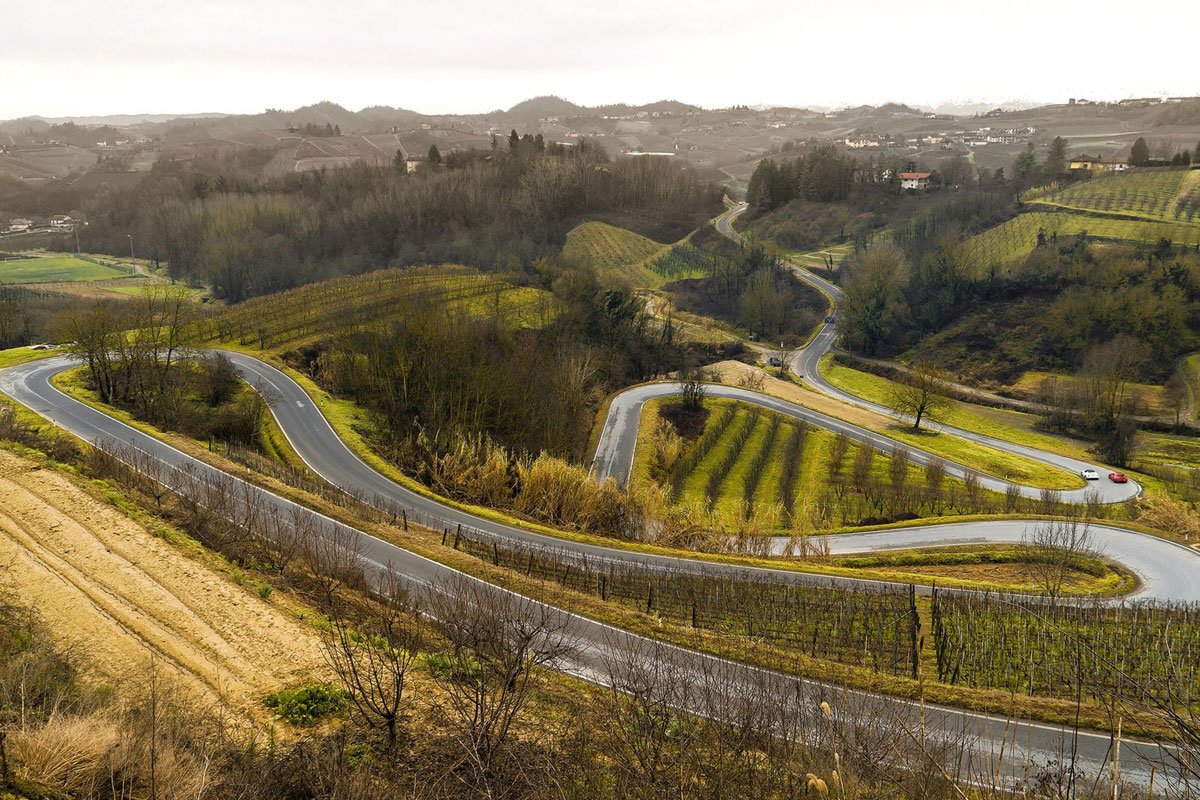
x: 343, y: 304
x: 613, y: 252
x: 1009, y: 242
x: 1158, y: 195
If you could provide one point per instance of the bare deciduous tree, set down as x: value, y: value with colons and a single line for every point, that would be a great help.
x: 922, y: 394
x: 1055, y: 548
x: 373, y: 659
x: 498, y: 639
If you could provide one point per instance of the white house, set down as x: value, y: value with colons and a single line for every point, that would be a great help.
x: 19, y: 225
x: 61, y: 222
x: 914, y: 180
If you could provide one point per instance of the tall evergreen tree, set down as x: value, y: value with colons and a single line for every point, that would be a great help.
x: 760, y: 193
x: 514, y: 141
x: 1139, y: 154
x: 1056, y: 157
x: 435, y: 155
x: 1026, y: 162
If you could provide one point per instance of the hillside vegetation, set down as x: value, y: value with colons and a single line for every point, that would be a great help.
x: 1006, y: 244
x: 344, y: 304
x: 1163, y: 195
x: 613, y: 252
x: 502, y: 209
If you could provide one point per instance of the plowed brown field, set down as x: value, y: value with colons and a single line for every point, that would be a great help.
x: 122, y: 598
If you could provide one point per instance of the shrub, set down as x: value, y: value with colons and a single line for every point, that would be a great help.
x: 308, y: 704
x: 446, y: 666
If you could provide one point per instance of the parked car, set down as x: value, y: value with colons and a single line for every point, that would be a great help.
x: 1090, y: 475
x: 1118, y: 477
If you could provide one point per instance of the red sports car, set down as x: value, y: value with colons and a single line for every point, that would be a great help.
x: 1118, y: 477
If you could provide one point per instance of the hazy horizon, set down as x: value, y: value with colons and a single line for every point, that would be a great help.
x: 474, y: 57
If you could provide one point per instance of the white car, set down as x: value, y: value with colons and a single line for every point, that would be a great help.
x: 1090, y: 475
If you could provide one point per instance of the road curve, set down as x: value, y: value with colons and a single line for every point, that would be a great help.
x: 806, y: 365
x: 599, y: 645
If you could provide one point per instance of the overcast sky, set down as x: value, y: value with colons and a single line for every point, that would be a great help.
x: 166, y: 56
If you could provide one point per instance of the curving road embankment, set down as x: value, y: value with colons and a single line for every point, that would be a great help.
x: 599, y: 646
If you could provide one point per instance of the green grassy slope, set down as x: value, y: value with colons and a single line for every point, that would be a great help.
x: 54, y: 269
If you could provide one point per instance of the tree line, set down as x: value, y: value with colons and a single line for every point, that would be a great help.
x: 823, y: 175
x: 215, y: 224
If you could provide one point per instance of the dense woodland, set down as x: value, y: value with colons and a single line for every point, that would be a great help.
x: 749, y: 286
x: 214, y: 223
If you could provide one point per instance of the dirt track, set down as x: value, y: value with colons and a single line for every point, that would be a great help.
x: 122, y: 598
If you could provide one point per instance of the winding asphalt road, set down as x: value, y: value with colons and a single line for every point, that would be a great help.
x: 806, y: 365
x: 981, y: 736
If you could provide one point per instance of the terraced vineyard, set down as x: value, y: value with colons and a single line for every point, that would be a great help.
x: 342, y: 304
x: 1165, y: 196
x: 751, y: 463
x: 1006, y: 243
x: 683, y: 261
x: 612, y: 251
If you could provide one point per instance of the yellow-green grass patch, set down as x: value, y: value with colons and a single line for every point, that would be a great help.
x: 1149, y: 396
x: 1017, y: 237
x: 55, y: 269
x: 347, y: 303
x: 1010, y: 426
x: 21, y: 355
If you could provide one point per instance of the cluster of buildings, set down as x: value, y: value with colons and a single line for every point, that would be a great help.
x: 59, y: 223
x: 1133, y: 102
x: 944, y: 140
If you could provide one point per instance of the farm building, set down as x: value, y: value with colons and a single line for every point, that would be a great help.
x: 61, y: 222
x: 918, y: 181
x: 1086, y: 163
x: 18, y: 225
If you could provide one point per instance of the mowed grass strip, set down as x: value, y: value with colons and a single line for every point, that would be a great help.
x: 1011, y: 426
x: 961, y: 415
x: 55, y: 269
x: 731, y: 491
x: 696, y: 480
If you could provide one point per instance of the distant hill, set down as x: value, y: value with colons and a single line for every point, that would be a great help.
x: 319, y: 114
x: 660, y: 107
x: 545, y: 106
x: 554, y: 106
x: 22, y: 124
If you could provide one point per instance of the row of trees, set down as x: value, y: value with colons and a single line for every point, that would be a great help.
x: 1027, y: 169
x: 823, y: 175
x: 140, y: 355
x: 1166, y: 155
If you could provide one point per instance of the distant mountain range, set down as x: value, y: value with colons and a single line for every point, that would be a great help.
x: 523, y: 114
